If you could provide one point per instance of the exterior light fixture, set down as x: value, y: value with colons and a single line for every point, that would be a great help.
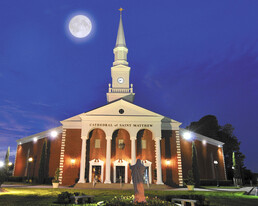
x: 187, y: 135
x: 30, y: 159
x: 219, y: 146
x: 10, y: 164
x: 73, y: 161
x: 167, y: 162
x: 217, y: 171
x: 35, y: 139
x: 19, y: 143
x: 1, y: 164
x: 54, y: 134
x: 233, y: 167
x: 204, y: 142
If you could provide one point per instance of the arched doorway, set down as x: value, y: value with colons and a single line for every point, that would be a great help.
x: 120, y: 155
x: 145, y: 151
x: 95, y: 155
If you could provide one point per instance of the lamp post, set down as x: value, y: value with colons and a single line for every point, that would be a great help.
x: 30, y: 160
x: 216, y: 167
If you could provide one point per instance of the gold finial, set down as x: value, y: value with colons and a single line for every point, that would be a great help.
x: 121, y: 9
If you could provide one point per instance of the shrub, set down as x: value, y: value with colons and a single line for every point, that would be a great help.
x: 66, y: 197
x: 128, y: 200
x: 14, y: 179
x: 190, y: 178
x: 56, y: 177
x: 2, y: 176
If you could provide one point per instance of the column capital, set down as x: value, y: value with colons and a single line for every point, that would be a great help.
x: 108, y: 138
x: 133, y: 138
x: 84, y: 137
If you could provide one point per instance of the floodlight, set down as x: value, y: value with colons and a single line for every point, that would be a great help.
x: 187, y: 135
x: 54, y: 134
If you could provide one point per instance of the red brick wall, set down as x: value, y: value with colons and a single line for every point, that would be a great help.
x: 204, y: 157
x: 149, y: 152
x: 55, y: 149
x: 73, y: 144
x: 21, y: 158
x: 168, y: 153
x: 35, y: 152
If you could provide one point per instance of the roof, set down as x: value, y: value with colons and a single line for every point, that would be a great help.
x: 202, y: 137
x: 39, y: 135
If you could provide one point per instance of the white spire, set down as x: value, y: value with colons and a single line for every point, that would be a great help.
x: 120, y: 39
x: 120, y: 50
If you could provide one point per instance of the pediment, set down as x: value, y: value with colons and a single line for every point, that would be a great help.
x: 121, y: 108
x: 124, y: 109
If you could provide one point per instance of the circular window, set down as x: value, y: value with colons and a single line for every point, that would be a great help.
x: 121, y: 111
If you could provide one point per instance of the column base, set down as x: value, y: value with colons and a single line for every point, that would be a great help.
x: 159, y: 183
x: 82, y: 181
x: 107, y: 182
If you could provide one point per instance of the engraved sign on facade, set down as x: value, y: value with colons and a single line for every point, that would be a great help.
x: 119, y: 125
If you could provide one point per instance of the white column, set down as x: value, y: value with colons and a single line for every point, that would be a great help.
x: 158, y: 162
x: 108, y: 160
x: 83, y: 161
x: 133, y: 154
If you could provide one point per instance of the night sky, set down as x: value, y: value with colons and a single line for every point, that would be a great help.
x: 188, y: 59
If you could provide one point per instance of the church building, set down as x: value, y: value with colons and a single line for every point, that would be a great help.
x: 101, y: 143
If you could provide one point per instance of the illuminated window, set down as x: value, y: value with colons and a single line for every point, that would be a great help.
x: 143, y: 144
x: 121, y: 144
x: 97, y: 143
x: 120, y: 141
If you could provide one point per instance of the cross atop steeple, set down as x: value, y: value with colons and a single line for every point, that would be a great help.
x: 121, y: 9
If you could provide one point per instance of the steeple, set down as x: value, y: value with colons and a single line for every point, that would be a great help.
x: 120, y: 72
x: 120, y: 50
x: 120, y: 39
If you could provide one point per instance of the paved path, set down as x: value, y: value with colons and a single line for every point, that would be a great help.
x: 243, y: 189
x: 253, y: 192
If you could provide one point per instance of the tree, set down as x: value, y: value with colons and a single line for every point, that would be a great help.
x: 6, y: 162
x: 42, y: 164
x: 208, y: 126
x: 2, y: 175
x: 195, y: 167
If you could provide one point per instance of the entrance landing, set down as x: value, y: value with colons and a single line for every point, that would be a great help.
x: 118, y: 186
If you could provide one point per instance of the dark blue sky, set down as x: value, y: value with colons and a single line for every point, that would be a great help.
x: 187, y: 58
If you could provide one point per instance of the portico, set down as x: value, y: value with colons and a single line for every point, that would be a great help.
x: 133, y: 120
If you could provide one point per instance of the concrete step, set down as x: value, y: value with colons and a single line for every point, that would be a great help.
x: 118, y: 186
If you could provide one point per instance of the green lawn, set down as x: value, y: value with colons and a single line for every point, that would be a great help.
x: 27, y: 196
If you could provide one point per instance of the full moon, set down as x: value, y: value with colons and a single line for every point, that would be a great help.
x: 80, y: 26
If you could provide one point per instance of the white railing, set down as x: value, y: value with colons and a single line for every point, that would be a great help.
x: 120, y: 90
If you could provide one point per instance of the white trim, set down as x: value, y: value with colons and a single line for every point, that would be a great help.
x: 147, y: 163
x: 96, y: 162
x: 121, y: 163
x: 202, y: 137
x: 40, y: 135
x: 61, y: 161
